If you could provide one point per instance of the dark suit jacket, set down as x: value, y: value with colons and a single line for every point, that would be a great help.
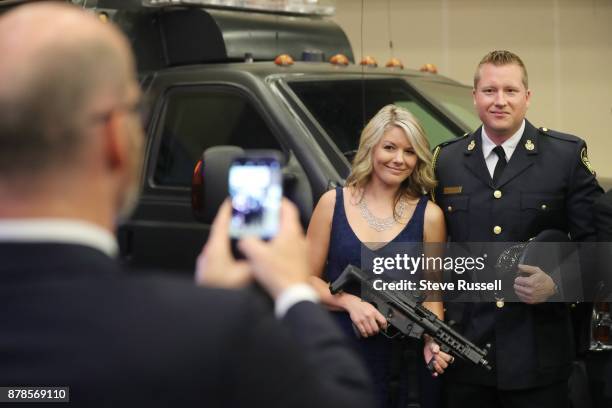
x: 545, y: 185
x: 69, y: 316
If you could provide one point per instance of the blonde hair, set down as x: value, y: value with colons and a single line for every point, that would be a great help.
x: 499, y: 58
x: 422, y: 179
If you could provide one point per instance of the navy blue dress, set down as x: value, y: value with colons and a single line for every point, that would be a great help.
x: 378, y: 351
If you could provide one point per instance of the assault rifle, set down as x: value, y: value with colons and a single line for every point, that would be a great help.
x: 404, y: 312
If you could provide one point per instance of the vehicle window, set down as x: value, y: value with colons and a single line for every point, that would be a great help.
x: 435, y: 130
x: 197, y: 120
x: 456, y: 99
x: 339, y: 107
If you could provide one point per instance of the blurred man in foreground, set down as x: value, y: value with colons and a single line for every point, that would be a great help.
x: 70, y: 154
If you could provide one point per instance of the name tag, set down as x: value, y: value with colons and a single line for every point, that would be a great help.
x: 452, y: 190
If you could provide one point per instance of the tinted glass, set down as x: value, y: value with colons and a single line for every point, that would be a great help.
x: 339, y: 106
x: 197, y: 120
x: 456, y: 99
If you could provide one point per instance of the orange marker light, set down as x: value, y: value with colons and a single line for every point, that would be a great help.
x: 339, y: 59
x: 284, y: 60
x: 394, y: 63
x: 431, y: 68
x: 369, y: 61
x: 197, y: 190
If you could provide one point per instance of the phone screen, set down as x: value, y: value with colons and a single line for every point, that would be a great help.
x: 255, y: 187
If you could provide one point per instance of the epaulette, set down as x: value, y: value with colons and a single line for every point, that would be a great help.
x: 558, y: 135
x: 436, y: 151
x: 451, y: 141
x: 584, y: 158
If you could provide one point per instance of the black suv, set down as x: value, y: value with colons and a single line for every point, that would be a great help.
x: 201, y: 93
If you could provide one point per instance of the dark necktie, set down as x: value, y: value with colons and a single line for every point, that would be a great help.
x: 501, y: 163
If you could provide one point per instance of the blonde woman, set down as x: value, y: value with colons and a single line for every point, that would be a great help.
x: 383, y: 201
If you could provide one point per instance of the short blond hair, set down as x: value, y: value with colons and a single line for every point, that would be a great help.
x: 499, y: 58
x: 422, y: 179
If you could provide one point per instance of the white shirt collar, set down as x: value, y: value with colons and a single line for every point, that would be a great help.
x: 509, y: 145
x: 53, y: 230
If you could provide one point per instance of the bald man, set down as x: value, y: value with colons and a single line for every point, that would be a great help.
x: 70, y: 153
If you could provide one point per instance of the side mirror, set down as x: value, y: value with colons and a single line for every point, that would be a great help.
x: 209, y: 183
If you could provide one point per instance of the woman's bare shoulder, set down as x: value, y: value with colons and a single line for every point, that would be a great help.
x: 328, y: 199
x: 324, y: 211
x: 433, y: 212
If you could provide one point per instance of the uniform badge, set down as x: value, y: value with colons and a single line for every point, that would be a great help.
x: 529, y: 145
x: 471, y: 146
x: 585, y: 160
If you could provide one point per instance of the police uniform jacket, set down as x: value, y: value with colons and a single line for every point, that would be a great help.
x: 547, y: 184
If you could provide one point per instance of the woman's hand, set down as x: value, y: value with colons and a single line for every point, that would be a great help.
x: 439, y: 360
x: 365, y: 317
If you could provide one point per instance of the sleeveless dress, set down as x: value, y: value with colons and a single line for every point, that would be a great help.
x: 378, y: 351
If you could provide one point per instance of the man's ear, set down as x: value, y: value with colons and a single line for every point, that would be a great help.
x: 115, y: 147
x: 528, y: 96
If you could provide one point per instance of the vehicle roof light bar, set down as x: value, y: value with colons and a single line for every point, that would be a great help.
x: 305, y: 7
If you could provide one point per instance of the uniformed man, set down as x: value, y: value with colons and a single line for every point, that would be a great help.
x: 508, y: 181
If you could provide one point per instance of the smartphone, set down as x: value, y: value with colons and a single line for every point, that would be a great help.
x: 255, y: 187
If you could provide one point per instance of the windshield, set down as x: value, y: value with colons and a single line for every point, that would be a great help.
x: 342, y: 107
x: 454, y: 98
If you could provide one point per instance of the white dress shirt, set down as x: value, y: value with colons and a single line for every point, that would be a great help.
x: 509, y: 146
x: 54, y: 230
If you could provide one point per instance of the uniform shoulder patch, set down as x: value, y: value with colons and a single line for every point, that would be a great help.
x: 436, y: 155
x: 585, y: 160
x: 434, y: 159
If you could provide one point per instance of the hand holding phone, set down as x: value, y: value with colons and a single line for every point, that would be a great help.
x: 255, y: 187
x: 283, y: 261
x: 216, y: 266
